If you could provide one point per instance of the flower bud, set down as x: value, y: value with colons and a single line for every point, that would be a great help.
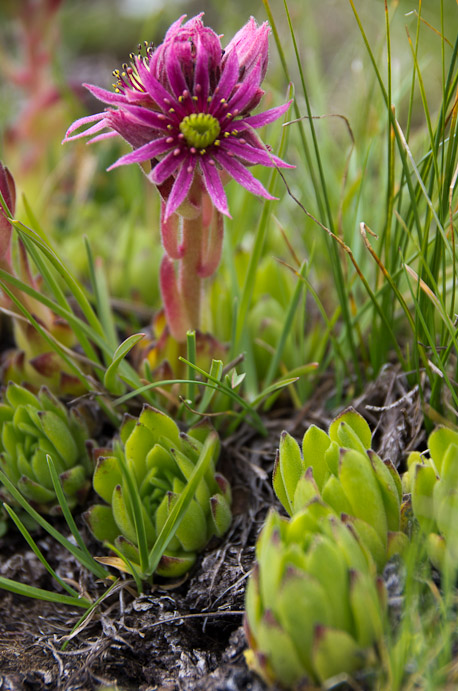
x: 251, y: 44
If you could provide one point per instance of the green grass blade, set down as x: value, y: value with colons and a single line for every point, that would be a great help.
x: 91, y: 565
x: 191, y: 355
x: 90, y: 609
x: 41, y: 594
x: 109, y: 379
x: 66, y: 509
x: 179, y: 509
x: 137, y: 510
x: 36, y: 550
x: 102, y: 297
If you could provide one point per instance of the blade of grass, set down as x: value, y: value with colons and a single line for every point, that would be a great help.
x: 109, y: 379
x: 178, y: 511
x: 36, y: 550
x: 41, y: 594
x: 90, y: 564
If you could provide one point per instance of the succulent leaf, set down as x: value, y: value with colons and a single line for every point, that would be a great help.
x: 438, y: 442
x: 350, y: 430
x: 314, y: 446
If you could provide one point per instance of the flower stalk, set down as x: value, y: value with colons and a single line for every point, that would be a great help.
x: 185, y: 108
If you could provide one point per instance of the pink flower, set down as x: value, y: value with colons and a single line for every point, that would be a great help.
x: 186, y: 107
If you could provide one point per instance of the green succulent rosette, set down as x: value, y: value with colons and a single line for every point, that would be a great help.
x: 433, y: 483
x: 34, y: 427
x: 159, y: 459
x: 315, y: 607
x: 341, y: 469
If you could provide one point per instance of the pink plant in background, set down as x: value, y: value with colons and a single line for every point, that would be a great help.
x: 31, y: 72
x: 8, y: 190
x: 186, y: 107
x: 31, y: 361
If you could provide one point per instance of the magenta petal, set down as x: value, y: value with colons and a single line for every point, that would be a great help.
x: 228, y: 79
x: 165, y: 168
x: 146, y: 117
x: 214, y: 186
x: 253, y: 155
x: 181, y: 186
x: 84, y: 121
x: 154, y: 88
x: 101, y: 137
x: 144, y: 153
x: 250, y: 43
x: 106, y: 96
x: 175, y: 74
x: 266, y: 117
x: 201, y: 75
x: 241, y: 175
x: 246, y: 90
x: 174, y: 28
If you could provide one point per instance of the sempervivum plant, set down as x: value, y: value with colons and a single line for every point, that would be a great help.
x: 433, y: 482
x: 34, y: 427
x: 186, y: 108
x: 142, y: 479
x: 314, y: 605
x: 341, y: 469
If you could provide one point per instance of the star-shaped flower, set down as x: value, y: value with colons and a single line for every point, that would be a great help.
x: 186, y: 107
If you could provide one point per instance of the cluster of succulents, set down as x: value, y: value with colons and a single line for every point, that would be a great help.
x: 335, y: 467
x: 34, y: 427
x: 160, y: 459
x: 315, y: 607
x: 433, y: 483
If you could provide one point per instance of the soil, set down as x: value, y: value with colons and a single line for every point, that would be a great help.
x: 189, y: 635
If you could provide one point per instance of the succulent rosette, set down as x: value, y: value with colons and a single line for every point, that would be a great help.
x: 159, y: 459
x: 342, y: 470
x: 314, y: 605
x: 32, y: 428
x: 186, y: 107
x: 433, y: 482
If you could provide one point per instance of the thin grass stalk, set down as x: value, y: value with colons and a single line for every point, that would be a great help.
x: 65, y: 508
x: 41, y: 594
x: 137, y: 509
x: 102, y: 298
x: 36, y: 550
x: 191, y: 355
x: 332, y: 247
x: 178, y: 511
x: 93, y: 606
x: 89, y: 563
x: 287, y: 327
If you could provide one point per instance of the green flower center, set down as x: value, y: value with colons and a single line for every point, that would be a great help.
x: 200, y: 129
